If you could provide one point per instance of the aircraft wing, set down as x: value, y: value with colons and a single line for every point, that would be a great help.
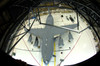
x: 36, y: 32
x: 58, y: 30
x: 71, y: 26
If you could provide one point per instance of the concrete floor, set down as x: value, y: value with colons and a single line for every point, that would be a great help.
x: 79, y: 49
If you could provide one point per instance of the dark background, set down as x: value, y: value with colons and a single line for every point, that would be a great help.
x: 10, y: 15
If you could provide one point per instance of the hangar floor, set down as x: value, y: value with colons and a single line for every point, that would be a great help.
x: 80, y: 48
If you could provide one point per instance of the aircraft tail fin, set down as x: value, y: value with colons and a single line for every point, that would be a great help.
x: 49, y: 11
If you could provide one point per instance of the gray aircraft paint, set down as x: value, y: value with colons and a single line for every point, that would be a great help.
x: 47, y: 37
x: 70, y: 36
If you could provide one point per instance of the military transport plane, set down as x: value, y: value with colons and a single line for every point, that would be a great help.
x: 47, y: 37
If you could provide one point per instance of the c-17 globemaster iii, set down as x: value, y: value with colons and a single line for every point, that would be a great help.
x: 47, y: 37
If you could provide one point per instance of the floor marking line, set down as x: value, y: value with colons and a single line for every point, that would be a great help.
x: 48, y: 64
x: 54, y: 54
x: 31, y: 53
x: 73, y: 47
x: 42, y: 62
